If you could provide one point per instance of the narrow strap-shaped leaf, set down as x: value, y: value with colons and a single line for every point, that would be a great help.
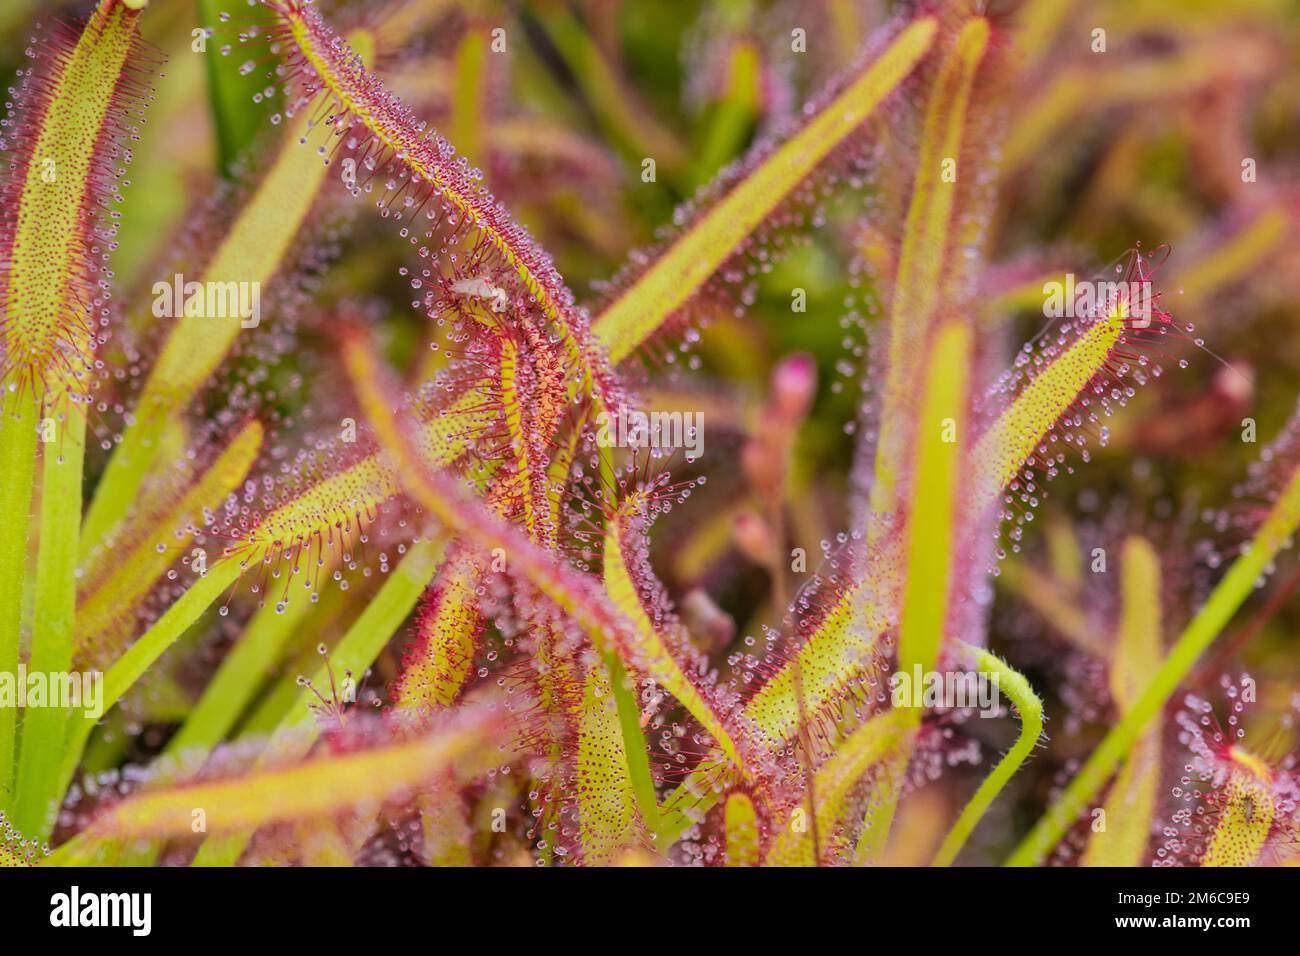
x: 50, y: 236
x: 692, y: 259
x: 940, y: 438
x: 560, y: 689
x: 1233, y: 259
x: 918, y: 286
x: 659, y: 661
x: 16, y: 851
x: 242, y: 672
x: 1129, y: 807
x: 312, y: 516
x: 132, y: 665
x: 742, y: 831
x: 627, y: 122
x: 635, y: 747
x: 576, y: 595
x: 679, y: 273
x: 321, y: 786
x: 588, y: 606
x: 446, y: 835
x: 467, y: 105
x: 236, y: 115
x: 829, y: 661
x: 610, y: 632
x: 878, y: 821
x: 321, y: 842
x: 1075, y: 93
x: 365, y: 104
x: 930, y: 530
x: 372, y: 630
x: 134, y: 568
x: 1131, y: 803
x: 56, y: 610
x: 834, y: 783
x: 1038, y: 22
x: 18, y: 461
x: 734, y: 115
x: 837, y: 653
x: 141, y: 655
x: 1012, y: 440
x: 237, y: 681
x: 437, y: 665
x: 608, y: 819
x: 733, y: 219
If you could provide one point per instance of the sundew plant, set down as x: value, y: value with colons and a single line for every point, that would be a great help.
x: 583, y: 433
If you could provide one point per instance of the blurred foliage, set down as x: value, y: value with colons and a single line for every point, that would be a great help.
x: 1143, y: 143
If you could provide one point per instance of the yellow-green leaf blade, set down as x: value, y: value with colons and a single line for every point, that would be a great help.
x: 678, y: 274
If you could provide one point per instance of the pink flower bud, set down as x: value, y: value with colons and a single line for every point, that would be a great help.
x: 794, y: 384
x: 753, y: 538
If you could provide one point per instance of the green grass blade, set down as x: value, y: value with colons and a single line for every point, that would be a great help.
x: 237, y: 118
x: 634, y: 742
x: 241, y: 673
x: 931, y: 516
x: 132, y: 665
x: 56, y: 607
x: 660, y: 659
x: 1223, y: 603
x: 356, y: 652
x: 1244, y: 823
x: 695, y: 256
x: 17, y: 476
x: 225, y: 699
